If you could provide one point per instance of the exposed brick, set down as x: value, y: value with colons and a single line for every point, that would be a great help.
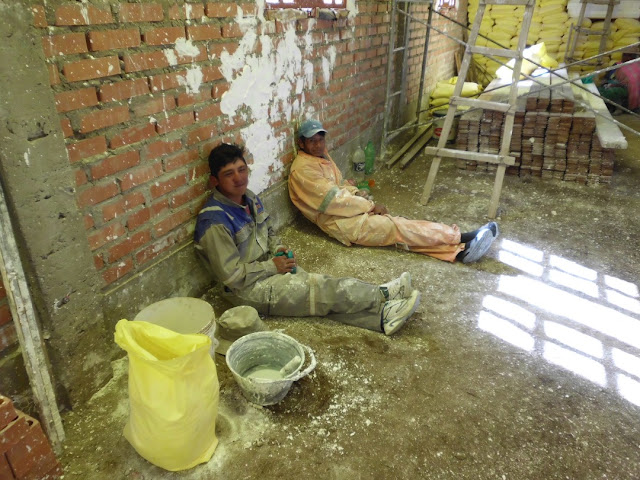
x: 98, y: 193
x: 100, y: 40
x: 8, y: 412
x: 105, y: 235
x: 135, y: 12
x: 160, y: 188
x: 139, y: 176
x: 133, y: 135
x: 136, y: 62
x: 3, y: 291
x: 64, y: 44
x: 159, y: 207
x: 174, y: 122
x: 160, y: 148
x: 122, y: 205
x: 67, y: 129
x: 211, y: 73
x: 91, y: 68
x: 209, y: 111
x: 138, y: 218
x: 8, y: 336
x: 153, y: 250
x: 185, y: 99
x: 127, y: 246
x: 86, y: 148
x: 202, y: 169
x: 203, y: 133
x: 85, y: 14
x: 167, y: 81
x: 180, y: 160
x: 188, y: 58
x: 75, y: 99
x: 219, y: 89
x: 115, y: 164
x: 163, y: 36
x: 98, y: 261
x: 104, y: 118
x: 221, y: 9
x: 203, y: 32
x: 54, y: 74
x: 216, y: 49
x: 172, y: 221
x: 5, y: 317
x: 5, y: 469
x: 118, y: 271
x: 39, y: 16
x: 125, y: 89
x: 231, y: 30
x: 191, y: 193
x: 142, y: 107
x: 186, y: 11
x: 88, y: 221
x: 32, y: 457
x: 81, y: 177
x: 13, y: 431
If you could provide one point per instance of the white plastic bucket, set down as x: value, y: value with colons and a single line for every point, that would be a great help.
x: 438, y: 123
x: 182, y: 315
x: 267, y: 352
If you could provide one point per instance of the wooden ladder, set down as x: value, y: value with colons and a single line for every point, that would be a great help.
x: 509, y: 109
x: 577, y: 29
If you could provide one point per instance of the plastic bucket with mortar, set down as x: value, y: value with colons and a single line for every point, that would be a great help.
x: 438, y: 123
x: 182, y: 315
x: 257, y: 361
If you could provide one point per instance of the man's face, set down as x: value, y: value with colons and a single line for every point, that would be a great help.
x: 233, y: 179
x: 313, y: 146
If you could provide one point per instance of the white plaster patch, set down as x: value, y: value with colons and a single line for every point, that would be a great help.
x: 171, y: 56
x: 352, y: 7
x: 192, y: 80
x: 186, y: 48
x: 26, y: 158
x: 265, y: 88
x: 328, y: 64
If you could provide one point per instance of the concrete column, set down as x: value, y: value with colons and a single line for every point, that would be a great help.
x: 49, y: 228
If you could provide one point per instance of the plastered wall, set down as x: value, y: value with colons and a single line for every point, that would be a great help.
x: 124, y: 102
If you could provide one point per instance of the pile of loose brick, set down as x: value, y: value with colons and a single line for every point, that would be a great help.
x: 26, y: 452
x: 550, y: 139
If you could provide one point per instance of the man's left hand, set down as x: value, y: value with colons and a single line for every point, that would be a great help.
x: 379, y: 209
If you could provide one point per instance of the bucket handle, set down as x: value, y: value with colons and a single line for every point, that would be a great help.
x: 307, y: 370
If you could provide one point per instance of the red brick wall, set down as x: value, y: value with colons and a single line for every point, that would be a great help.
x: 137, y: 141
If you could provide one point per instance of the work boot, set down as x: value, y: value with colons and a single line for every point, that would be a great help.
x: 398, y: 288
x: 395, y: 313
x: 480, y: 244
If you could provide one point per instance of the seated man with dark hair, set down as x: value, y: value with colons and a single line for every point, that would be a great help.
x: 235, y: 240
x: 316, y: 187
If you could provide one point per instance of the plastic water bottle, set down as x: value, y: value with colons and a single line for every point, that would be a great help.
x: 370, y: 158
x: 358, y: 164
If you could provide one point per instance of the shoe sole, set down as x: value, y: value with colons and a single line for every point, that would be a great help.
x: 399, y: 323
x: 479, y: 246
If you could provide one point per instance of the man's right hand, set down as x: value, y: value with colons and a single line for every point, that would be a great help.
x: 379, y: 209
x: 284, y: 264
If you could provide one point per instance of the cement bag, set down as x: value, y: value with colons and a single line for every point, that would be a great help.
x: 173, y: 395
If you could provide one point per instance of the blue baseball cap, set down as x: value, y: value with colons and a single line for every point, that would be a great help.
x: 310, y: 127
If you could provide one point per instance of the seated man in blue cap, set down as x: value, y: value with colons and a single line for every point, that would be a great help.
x: 317, y: 188
x: 234, y: 238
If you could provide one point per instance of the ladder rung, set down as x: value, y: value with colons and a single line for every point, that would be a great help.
x: 464, y: 155
x: 399, y: 49
x: 396, y: 93
x: 507, y: 2
x: 602, y: 2
x: 498, y: 52
x: 486, y: 104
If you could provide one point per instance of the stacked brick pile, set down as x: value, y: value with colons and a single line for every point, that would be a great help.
x: 549, y: 140
x: 25, y: 451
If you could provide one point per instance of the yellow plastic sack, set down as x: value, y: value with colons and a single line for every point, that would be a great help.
x: 173, y: 395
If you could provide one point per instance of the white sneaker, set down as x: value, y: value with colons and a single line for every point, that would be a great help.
x: 398, y: 288
x: 395, y: 313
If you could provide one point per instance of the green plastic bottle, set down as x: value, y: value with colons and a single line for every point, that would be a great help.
x: 369, y: 158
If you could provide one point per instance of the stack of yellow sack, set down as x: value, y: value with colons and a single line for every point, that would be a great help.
x: 625, y: 31
x: 444, y: 90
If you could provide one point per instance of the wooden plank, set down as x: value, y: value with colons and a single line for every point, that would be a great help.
x: 24, y: 319
x: 417, y: 147
x: 389, y: 163
x: 477, y: 156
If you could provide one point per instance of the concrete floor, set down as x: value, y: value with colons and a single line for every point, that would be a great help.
x: 525, y: 365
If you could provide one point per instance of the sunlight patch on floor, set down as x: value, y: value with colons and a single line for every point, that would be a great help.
x: 570, y: 315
